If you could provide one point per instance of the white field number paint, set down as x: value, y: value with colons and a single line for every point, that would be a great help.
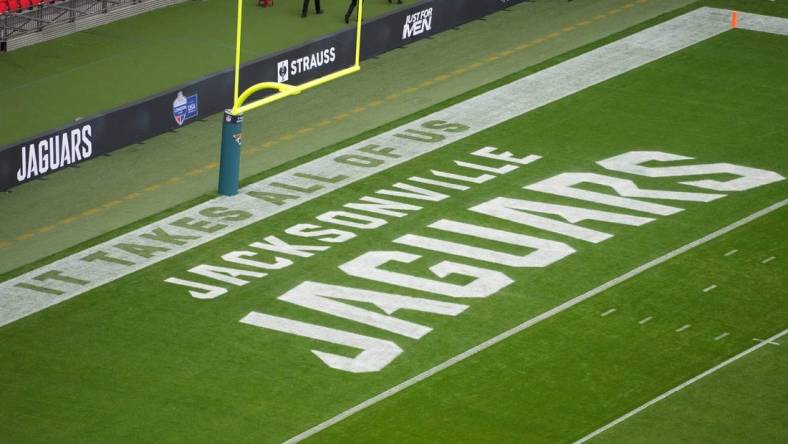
x: 484, y: 282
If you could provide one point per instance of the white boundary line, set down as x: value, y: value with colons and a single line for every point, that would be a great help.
x: 677, y: 388
x: 531, y: 322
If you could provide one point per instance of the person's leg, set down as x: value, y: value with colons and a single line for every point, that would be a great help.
x: 317, y: 7
x: 305, y: 8
x: 350, y: 10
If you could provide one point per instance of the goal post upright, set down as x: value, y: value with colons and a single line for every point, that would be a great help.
x: 232, y: 122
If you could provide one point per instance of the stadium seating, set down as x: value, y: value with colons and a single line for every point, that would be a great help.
x: 9, y: 6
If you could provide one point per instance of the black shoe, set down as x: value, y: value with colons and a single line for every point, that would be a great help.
x: 319, y: 12
x: 347, y: 19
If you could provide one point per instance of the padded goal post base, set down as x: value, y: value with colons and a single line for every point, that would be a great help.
x: 230, y: 158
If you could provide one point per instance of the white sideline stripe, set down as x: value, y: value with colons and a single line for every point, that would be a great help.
x: 478, y: 113
x: 763, y: 23
x: 531, y: 322
x: 731, y: 253
x: 677, y: 388
x: 611, y: 311
x: 709, y: 288
x: 646, y: 319
x: 722, y: 336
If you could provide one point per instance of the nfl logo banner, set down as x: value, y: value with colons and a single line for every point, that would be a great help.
x: 184, y: 108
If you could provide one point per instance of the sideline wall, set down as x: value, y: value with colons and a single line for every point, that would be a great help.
x: 167, y: 111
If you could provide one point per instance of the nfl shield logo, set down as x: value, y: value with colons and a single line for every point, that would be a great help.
x: 282, y: 71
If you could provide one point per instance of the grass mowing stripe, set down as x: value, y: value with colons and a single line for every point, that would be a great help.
x: 535, y: 320
x: 681, y: 386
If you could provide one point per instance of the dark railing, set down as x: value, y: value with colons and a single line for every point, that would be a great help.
x: 22, y: 17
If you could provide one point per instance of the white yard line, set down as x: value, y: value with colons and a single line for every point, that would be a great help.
x: 709, y: 288
x: 645, y: 320
x: 683, y: 327
x: 623, y: 418
x: 722, y: 336
x: 731, y: 253
x: 768, y: 259
x: 609, y: 312
x: 763, y: 23
x: 766, y: 341
x: 531, y: 322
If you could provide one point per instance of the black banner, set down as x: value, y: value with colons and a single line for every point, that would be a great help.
x: 170, y: 110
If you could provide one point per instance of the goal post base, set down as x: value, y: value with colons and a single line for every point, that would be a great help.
x: 230, y: 158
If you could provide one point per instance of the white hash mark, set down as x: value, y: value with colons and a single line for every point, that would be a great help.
x: 767, y: 341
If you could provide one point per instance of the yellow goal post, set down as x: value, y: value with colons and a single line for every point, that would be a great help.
x: 230, y: 158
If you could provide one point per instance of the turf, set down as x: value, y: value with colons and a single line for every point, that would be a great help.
x: 741, y: 403
x: 124, y: 61
x: 138, y: 360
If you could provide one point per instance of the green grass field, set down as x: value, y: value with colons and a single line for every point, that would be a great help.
x: 139, y: 360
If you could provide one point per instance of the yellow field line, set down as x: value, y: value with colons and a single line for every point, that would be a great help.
x: 374, y: 103
x: 90, y: 212
x: 45, y: 229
